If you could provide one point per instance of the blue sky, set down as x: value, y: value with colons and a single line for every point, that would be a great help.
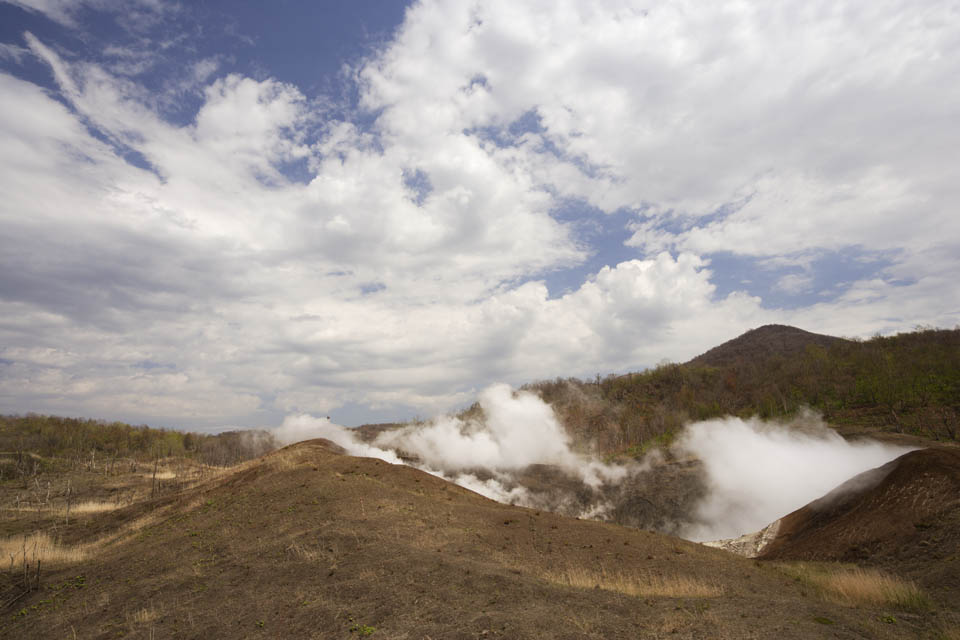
x: 219, y: 214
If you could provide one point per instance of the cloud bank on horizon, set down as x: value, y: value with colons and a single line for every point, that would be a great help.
x: 199, y: 232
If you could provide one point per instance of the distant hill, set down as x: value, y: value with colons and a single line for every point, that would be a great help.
x: 758, y: 345
x: 905, y: 384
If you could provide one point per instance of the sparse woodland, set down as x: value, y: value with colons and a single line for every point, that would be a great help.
x: 83, y: 442
x: 908, y: 383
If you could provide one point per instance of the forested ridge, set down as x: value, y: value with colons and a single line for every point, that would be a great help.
x: 909, y: 382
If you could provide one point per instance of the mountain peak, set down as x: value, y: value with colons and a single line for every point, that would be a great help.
x: 770, y: 340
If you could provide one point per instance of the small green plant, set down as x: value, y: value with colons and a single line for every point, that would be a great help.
x: 260, y: 624
x: 78, y: 582
x: 823, y: 620
x: 362, y: 629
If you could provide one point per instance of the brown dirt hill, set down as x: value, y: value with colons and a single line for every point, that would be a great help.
x: 762, y: 343
x: 310, y: 543
x: 903, y: 516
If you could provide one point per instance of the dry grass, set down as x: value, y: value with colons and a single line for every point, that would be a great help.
x: 639, y: 584
x: 696, y: 622
x: 326, y: 556
x: 949, y: 631
x: 92, y: 506
x: 854, y: 586
x: 143, y: 616
x: 39, y: 546
x: 161, y: 475
x: 143, y: 619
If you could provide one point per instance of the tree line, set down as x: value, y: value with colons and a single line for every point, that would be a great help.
x: 80, y: 438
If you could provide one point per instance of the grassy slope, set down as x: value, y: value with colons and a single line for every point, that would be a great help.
x: 311, y: 543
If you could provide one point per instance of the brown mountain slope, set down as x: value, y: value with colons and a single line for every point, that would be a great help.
x: 903, y: 516
x: 310, y: 543
x: 757, y: 345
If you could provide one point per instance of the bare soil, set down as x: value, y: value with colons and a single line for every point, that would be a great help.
x: 310, y: 543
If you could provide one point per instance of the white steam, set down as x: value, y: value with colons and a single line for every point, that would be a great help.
x: 500, y: 490
x: 754, y: 471
x: 757, y: 472
x: 517, y: 430
x: 305, y: 427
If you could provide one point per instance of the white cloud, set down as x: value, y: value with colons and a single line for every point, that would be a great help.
x: 58, y: 10
x: 13, y: 52
x: 795, y: 283
x: 813, y: 127
x: 133, y: 15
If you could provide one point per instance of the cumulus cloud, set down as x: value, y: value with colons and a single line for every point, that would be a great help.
x: 757, y: 471
x: 273, y: 253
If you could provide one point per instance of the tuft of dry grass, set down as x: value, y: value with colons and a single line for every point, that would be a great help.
x: 143, y: 616
x: 313, y: 553
x: 90, y: 506
x: 38, y: 546
x: 285, y: 459
x: 854, y: 586
x: 639, y: 584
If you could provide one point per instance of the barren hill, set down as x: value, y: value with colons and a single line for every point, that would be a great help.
x: 904, y: 516
x: 310, y: 543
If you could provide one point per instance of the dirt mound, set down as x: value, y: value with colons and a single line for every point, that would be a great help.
x: 762, y: 343
x: 309, y: 543
x: 904, y: 516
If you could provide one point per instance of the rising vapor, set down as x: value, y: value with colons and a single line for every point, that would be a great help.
x: 754, y: 471
x: 517, y: 429
x: 757, y: 471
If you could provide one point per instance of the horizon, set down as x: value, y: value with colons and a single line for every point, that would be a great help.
x: 218, y: 216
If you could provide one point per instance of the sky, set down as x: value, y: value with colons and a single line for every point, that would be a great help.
x: 220, y: 214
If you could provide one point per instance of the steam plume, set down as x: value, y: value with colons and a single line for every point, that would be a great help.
x: 760, y: 471
x: 517, y: 430
x: 754, y: 471
x: 305, y: 427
